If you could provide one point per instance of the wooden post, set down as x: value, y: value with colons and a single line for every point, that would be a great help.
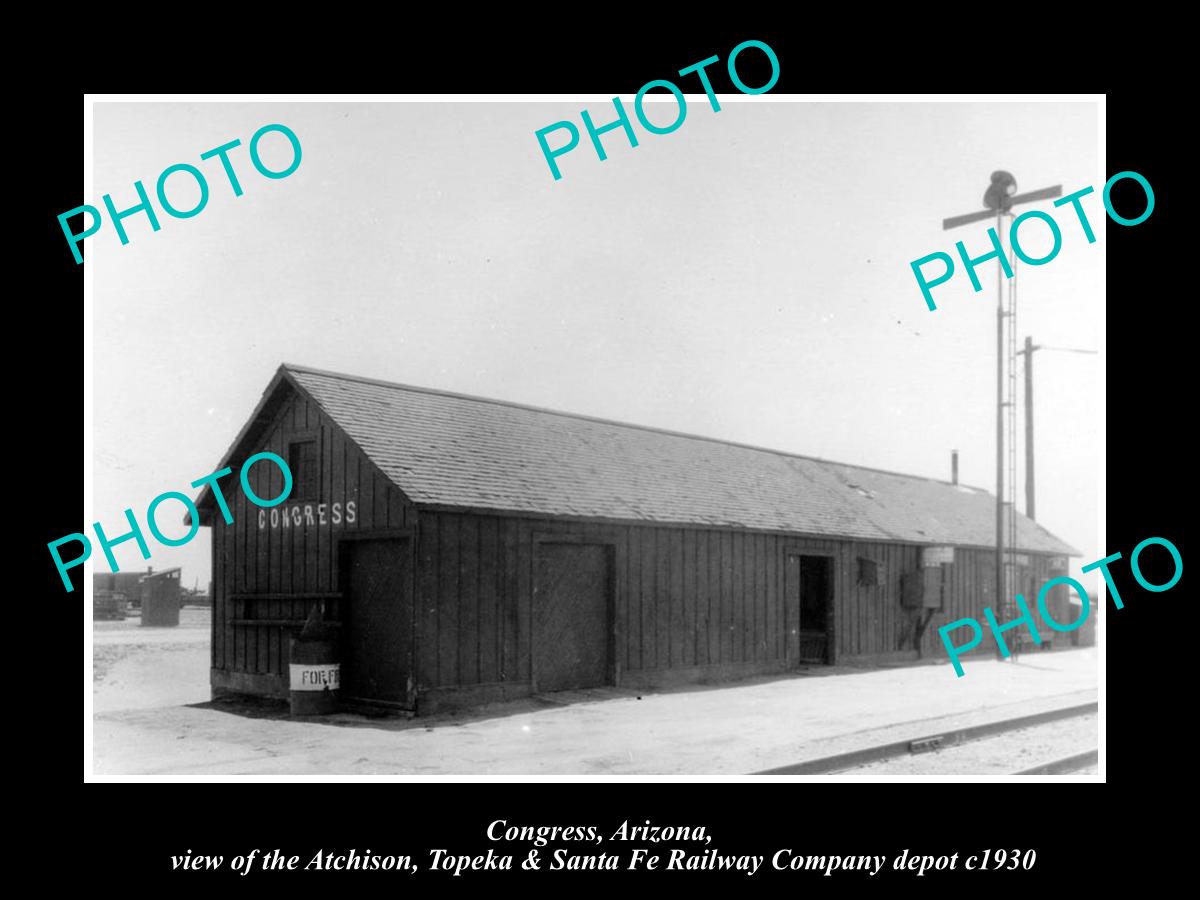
x: 1029, y: 505
x: 1000, y: 599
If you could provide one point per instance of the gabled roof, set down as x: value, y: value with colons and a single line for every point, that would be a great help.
x: 454, y: 451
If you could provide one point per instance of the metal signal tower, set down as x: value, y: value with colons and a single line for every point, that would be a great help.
x: 998, y: 200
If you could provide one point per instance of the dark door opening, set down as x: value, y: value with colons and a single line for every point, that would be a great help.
x: 377, y: 621
x: 572, y: 614
x: 816, y: 608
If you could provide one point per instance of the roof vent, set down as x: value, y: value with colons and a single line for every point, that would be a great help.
x: 870, y: 495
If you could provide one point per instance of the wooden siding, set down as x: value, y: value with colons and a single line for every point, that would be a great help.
x: 276, y: 573
x: 684, y: 598
x: 688, y: 603
x: 972, y: 586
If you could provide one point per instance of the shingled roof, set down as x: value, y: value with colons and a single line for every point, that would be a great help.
x: 450, y: 450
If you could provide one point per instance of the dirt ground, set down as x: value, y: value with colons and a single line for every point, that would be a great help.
x: 152, y: 718
x: 138, y: 668
x: 1003, y: 754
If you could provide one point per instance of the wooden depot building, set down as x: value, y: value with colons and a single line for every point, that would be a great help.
x: 475, y: 550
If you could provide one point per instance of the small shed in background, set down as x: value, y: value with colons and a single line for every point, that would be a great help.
x: 160, y: 598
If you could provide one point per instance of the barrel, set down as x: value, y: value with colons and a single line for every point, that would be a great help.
x: 315, y: 676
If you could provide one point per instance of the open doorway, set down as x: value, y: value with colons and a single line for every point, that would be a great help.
x: 811, y: 595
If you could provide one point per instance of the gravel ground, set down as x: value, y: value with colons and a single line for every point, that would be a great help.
x: 149, y: 680
x: 136, y: 667
x: 106, y: 657
x: 1000, y: 755
x: 193, y: 628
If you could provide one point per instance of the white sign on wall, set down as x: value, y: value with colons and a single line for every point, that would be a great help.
x: 300, y: 514
x: 936, y: 556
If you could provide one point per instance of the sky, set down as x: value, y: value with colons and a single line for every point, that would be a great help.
x: 746, y: 277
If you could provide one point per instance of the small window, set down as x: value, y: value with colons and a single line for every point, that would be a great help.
x: 868, y: 572
x: 302, y: 460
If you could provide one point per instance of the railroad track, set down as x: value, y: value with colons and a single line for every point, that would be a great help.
x: 1064, y: 765
x: 890, y: 750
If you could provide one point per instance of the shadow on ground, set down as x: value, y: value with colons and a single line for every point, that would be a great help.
x: 250, y: 707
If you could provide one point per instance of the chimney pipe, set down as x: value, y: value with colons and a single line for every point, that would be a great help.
x: 954, y: 467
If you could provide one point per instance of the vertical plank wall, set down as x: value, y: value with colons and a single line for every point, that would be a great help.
x: 287, y: 566
x: 973, y: 587
x: 684, y: 598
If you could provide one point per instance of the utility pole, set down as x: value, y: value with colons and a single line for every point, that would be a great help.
x: 998, y: 200
x: 1030, y: 509
x: 1030, y: 346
